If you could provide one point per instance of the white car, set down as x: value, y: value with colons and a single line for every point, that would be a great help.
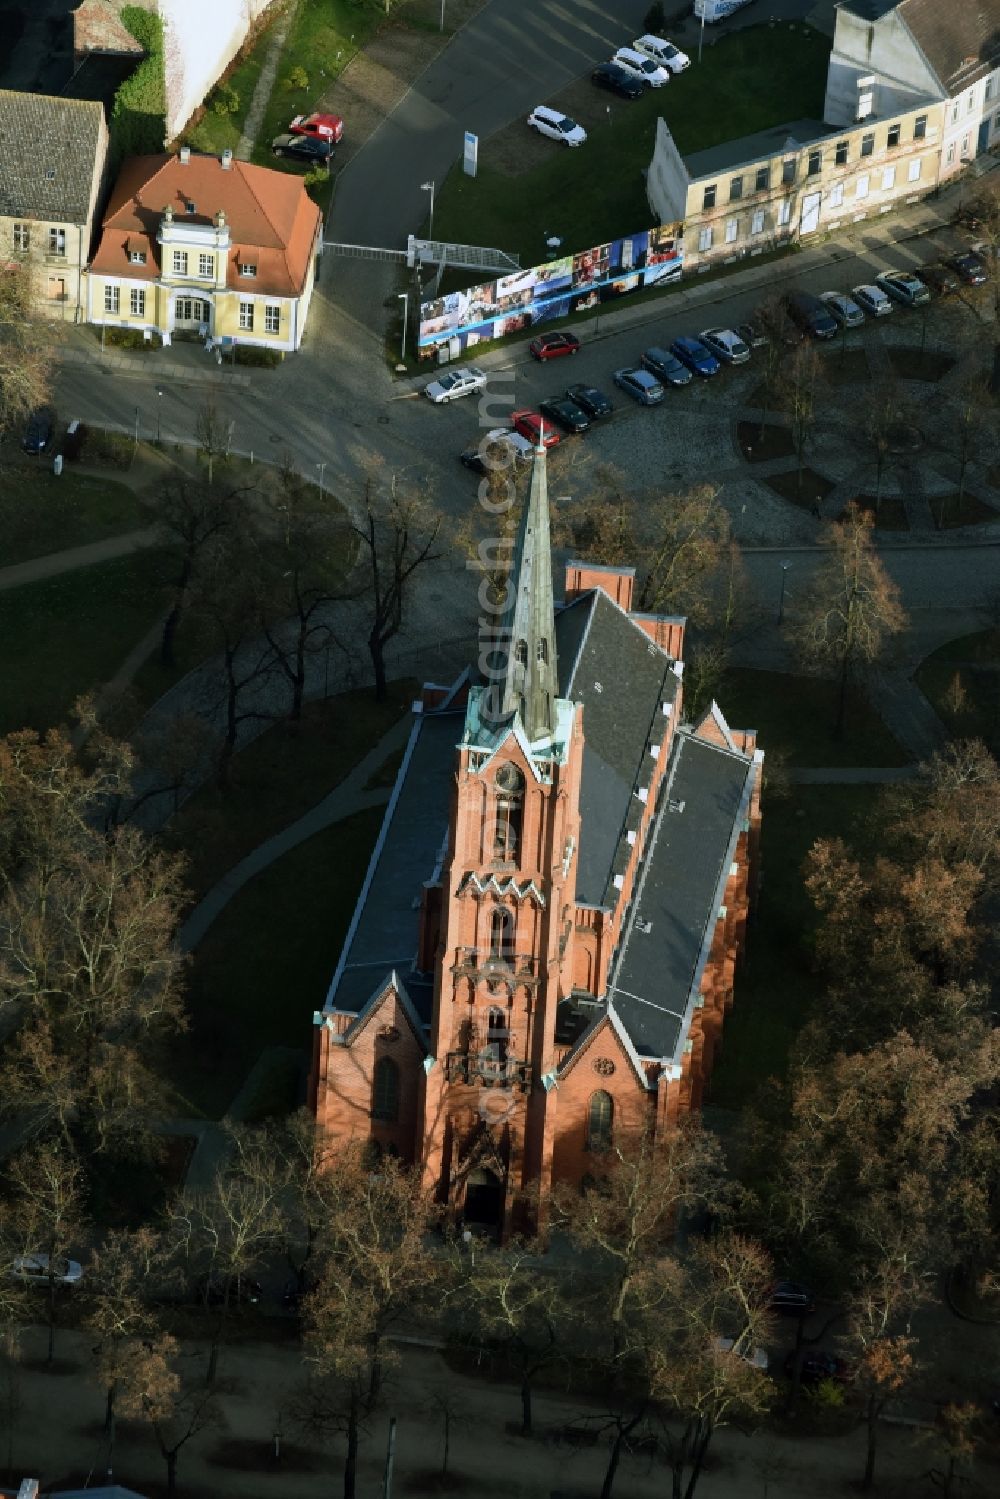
x: 35, y: 1268
x: 644, y: 68
x: 726, y: 344
x: 556, y: 126
x: 756, y: 1357
x: 455, y: 384
x: 663, y: 52
x: 522, y: 447
x: 872, y: 299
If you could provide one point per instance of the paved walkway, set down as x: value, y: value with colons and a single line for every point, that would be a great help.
x: 265, y: 83
x: 54, y: 563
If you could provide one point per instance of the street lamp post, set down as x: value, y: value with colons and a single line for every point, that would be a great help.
x: 404, y: 297
x: 701, y: 34
x: 441, y: 27
x: 321, y: 467
x: 428, y: 187
x: 781, y: 597
x: 137, y: 426
x: 159, y: 408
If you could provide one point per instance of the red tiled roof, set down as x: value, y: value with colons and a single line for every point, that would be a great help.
x: 272, y: 220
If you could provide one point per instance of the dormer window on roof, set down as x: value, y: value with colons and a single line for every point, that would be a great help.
x: 247, y: 268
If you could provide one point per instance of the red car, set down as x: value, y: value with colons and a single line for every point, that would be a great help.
x: 531, y: 425
x: 322, y: 127
x: 554, y: 345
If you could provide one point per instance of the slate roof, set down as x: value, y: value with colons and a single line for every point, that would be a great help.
x: 385, y: 928
x: 48, y: 150
x: 789, y: 136
x: 672, y: 918
x: 272, y: 220
x: 608, y: 664
x: 960, y: 40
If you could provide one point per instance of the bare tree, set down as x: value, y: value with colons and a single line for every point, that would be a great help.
x: 49, y: 1214
x: 797, y: 383
x: 398, y: 534
x: 177, y: 1409
x: 191, y: 516
x: 852, y: 608
x: 214, y: 434
x: 26, y: 346
x: 882, y: 413
x: 974, y: 414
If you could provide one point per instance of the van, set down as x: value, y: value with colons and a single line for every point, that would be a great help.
x: 711, y: 11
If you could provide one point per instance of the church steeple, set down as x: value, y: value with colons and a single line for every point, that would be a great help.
x: 531, y: 681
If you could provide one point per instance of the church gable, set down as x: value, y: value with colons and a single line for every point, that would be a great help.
x: 371, y: 1073
x: 602, y: 1096
x: 713, y: 727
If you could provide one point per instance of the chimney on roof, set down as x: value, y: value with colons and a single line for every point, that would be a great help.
x: 227, y: 157
x: 185, y: 156
x: 220, y: 219
x: 168, y: 214
x: 28, y: 1489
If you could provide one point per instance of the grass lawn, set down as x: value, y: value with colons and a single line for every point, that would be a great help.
x: 748, y: 80
x: 70, y: 634
x: 265, y: 965
x: 214, y: 132
x: 911, y: 364
x: 776, y: 988
x: 40, y: 513
x: 950, y: 511
x: 762, y: 444
x: 279, y: 777
x: 891, y: 512
x: 962, y: 682
x: 794, y: 719
x: 803, y: 489
x: 847, y: 366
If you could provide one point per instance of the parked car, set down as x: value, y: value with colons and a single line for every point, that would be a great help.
x: 38, y: 431
x: 610, y: 76
x: 455, y: 384
x: 811, y: 314
x: 531, y: 424
x: 557, y: 126
x: 640, y: 385
x: 35, y: 1269
x: 242, y: 1291
x: 752, y: 335
x: 757, y: 1357
x: 323, y: 127
x: 644, y: 68
x: 553, y: 345
x: 969, y: 267
x: 818, y: 1365
x: 593, y: 401
x: 666, y: 367
x: 665, y: 53
x: 693, y: 353
x: 565, y: 413
x: 903, y: 287
x: 940, y: 281
x: 791, y: 1297
x: 843, y: 308
x: 726, y: 345
x: 498, y: 449
x: 872, y: 299
x: 307, y: 148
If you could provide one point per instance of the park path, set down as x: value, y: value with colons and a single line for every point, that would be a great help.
x: 265, y: 83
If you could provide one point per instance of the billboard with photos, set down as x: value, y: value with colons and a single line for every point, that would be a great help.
x: 555, y: 289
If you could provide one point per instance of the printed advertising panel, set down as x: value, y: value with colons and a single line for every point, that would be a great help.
x: 555, y: 289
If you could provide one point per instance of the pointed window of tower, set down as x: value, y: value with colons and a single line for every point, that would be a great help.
x: 509, y: 812
x: 497, y: 1034
x: 600, y: 1119
x: 521, y: 653
x: 385, y: 1091
x: 500, y: 934
x: 542, y: 651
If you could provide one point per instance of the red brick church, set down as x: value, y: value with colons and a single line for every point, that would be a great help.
x: 544, y: 947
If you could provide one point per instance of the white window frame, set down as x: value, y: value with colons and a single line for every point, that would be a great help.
x: 949, y: 160
x: 836, y: 195
x: 888, y: 179
x: 57, y: 240
x: 22, y: 237
x: 784, y: 213
x: 246, y: 317
x: 914, y: 168
x: 757, y: 221
x: 179, y: 263
x: 112, y: 300
x: 861, y: 185
x: 248, y: 268
x: 732, y: 231
x: 206, y: 266
x: 866, y: 102
x: 272, y: 317
x: 705, y: 238
x: 137, y: 257
x: 137, y: 301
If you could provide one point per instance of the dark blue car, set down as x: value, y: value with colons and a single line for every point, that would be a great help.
x: 692, y: 353
x: 667, y: 369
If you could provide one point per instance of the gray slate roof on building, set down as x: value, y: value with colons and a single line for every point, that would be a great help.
x: 674, y: 908
x: 622, y: 679
x: 388, y: 916
x: 790, y: 136
x: 48, y: 148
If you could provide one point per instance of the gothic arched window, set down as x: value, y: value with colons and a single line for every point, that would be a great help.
x: 509, y: 785
x: 542, y: 651
x: 521, y: 653
x: 385, y: 1090
x: 497, y: 1034
x: 600, y: 1120
x: 501, y: 934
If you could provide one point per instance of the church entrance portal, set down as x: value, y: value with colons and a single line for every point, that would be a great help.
x: 483, y: 1199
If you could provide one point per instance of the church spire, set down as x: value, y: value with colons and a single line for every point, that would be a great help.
x: 531, y: 683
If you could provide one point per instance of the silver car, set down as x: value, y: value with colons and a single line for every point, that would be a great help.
x: 726, y: 344
x: 843, y: 308
x: 35, y: 1268
x: 455, y: 384
x: 904, y: 287
x: 872, y: 299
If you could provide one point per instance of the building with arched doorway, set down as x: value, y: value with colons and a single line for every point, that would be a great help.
x: 545, y: 945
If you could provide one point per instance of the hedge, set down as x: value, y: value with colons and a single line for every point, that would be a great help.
x: 138, y: 116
